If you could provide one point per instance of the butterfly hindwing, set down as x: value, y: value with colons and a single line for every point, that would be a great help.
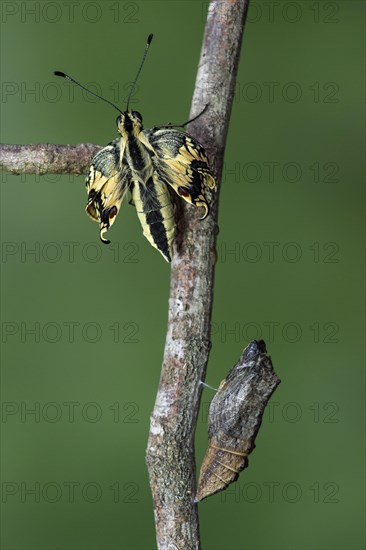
x: 107, y: 182
x: 181, y: 162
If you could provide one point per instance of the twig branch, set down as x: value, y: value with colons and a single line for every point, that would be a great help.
x: 170, y: 453
x: 47, y: 158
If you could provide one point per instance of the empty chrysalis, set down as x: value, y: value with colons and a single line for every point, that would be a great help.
x: 235, y: 416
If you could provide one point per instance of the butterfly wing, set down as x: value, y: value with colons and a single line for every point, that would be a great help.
x: 181, y: 162
x: 107, y: 183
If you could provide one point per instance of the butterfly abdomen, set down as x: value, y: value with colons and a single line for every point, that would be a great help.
x: 155, y: 210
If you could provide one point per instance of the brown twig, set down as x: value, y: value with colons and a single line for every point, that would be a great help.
x: 47, y: 158
x: 170, y: 453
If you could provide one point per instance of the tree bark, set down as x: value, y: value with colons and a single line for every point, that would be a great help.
x: 47, y: 158
x: 170, y: 452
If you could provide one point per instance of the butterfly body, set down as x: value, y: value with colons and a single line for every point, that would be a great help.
x: 149, y: 164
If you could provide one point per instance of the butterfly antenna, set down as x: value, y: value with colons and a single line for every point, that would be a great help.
x: 64, y: 75
x: 148, y: 42
x: 171, y: 125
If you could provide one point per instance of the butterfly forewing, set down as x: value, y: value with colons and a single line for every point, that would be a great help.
x: 107, y: 183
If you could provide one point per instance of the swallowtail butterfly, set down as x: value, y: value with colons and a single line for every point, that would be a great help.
x: 148, y: 163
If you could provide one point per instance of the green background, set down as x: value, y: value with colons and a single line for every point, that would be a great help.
x: 290, y: 270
